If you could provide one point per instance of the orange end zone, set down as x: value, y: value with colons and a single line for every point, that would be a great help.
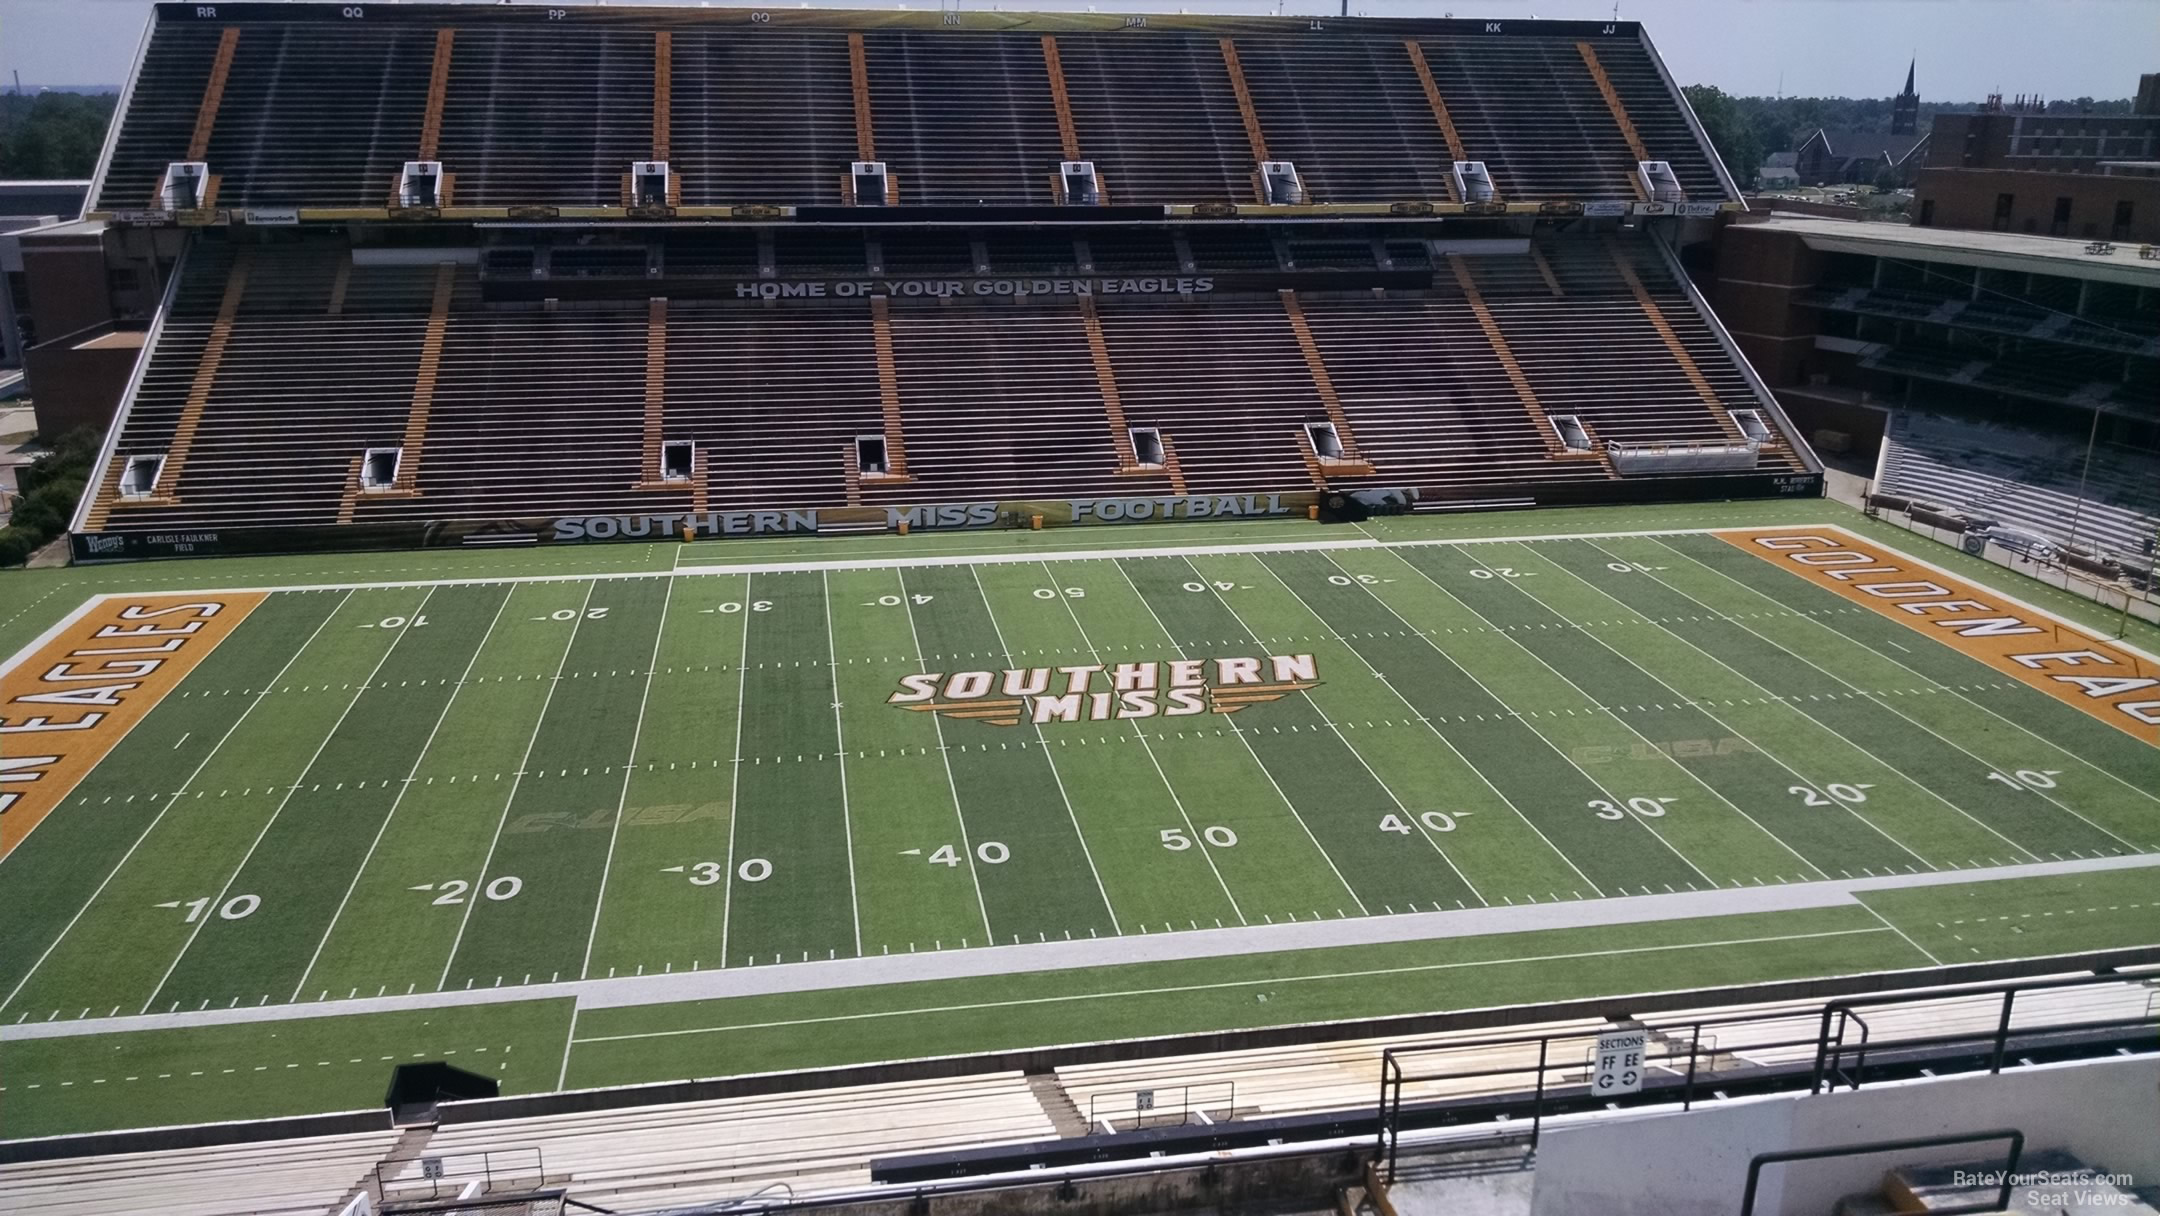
x: 2112, y: 682
x: 69, y: 703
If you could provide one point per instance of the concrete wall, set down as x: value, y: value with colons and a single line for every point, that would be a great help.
x: 2107, y: 1113
x: 1759, y: 273
x: 74, y: 383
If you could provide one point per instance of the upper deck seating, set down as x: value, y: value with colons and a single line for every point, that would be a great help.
x: 315, y: 106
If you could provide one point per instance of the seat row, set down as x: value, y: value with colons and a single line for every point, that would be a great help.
x: 303, y: 112
x: 280, y: 365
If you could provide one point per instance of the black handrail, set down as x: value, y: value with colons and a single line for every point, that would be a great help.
x: 2002, y: 1195
x: 1831, y: 1049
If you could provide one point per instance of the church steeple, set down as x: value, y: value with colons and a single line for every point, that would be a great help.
x: 1905, y: 110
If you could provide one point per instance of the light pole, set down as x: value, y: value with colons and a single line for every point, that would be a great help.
x: 2152, y: 563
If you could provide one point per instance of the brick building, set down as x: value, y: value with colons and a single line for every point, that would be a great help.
x: 2014, y: 169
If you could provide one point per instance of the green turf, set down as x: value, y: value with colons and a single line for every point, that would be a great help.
x: 56, y: 1087
x: 31, y: 600
x: 2025, y: 917
x: 899, y: 1021
x: 492, y: 785
x: 404, y: 789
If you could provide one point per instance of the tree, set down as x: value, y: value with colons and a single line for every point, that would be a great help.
x: 53, y: 135
x: 1729, y: 130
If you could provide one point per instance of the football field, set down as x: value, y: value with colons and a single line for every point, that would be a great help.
x: 403, y: 790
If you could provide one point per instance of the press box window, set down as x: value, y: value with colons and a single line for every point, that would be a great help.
x: 677, y: 457
x: 1147, y: 449
x: 870, y: 455
x: 139, y: 476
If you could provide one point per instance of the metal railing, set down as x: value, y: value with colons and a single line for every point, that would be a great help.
x: 1519, y: 1080
x: 429, y: 1175
x: 1171, y: 1105
x: 2000, y: 1203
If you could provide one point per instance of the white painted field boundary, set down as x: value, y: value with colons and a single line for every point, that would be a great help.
x: 1073, y: 555
x: 980, y: 962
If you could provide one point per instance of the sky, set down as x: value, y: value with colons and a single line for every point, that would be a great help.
x: 1855, y: 48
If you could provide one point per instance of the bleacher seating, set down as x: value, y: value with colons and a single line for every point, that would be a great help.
x: 318, y: 108
x: 506, y: 409
x: 822, y: 1141
x: 2024, y: 479
x: 506, y: 349
x: 276, y: 1178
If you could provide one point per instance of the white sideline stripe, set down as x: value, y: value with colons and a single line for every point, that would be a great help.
x: 1366, y: 973
x: 39, y: 642
x: 872, y: 970
x: 1074, y: 555
x: 957, y: 559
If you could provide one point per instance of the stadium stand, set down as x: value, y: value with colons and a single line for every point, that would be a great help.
x: 547, y: 269
x: 824, y: 1142
x: 279, y: 364
x: 2023, y: 479
x: 522, y: 110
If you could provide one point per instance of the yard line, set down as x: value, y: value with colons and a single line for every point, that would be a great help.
x: 847, y: 819
x: 1443, y: 739
x: 398, y: 801
x: 1879, y: 700
x: 1249, y: 749
x: 1219, y: 985
x: 890, y: 562
x: 637, y: 731
x: 174, y: 800
x: 1675, y: 693
x: 1599, y: 786
x: 1408, y: 816
x: 742, y: 678
x: 976, y: 575
x: 404, y: 631
x: 1207, y: 851
x: 524, y: 762
x: 562, y: 1075
x: 967, y: 846
x: 1924, y: 951
x: 1775, y: 699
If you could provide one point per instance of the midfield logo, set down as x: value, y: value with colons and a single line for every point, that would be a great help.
x: 1176, y: 689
